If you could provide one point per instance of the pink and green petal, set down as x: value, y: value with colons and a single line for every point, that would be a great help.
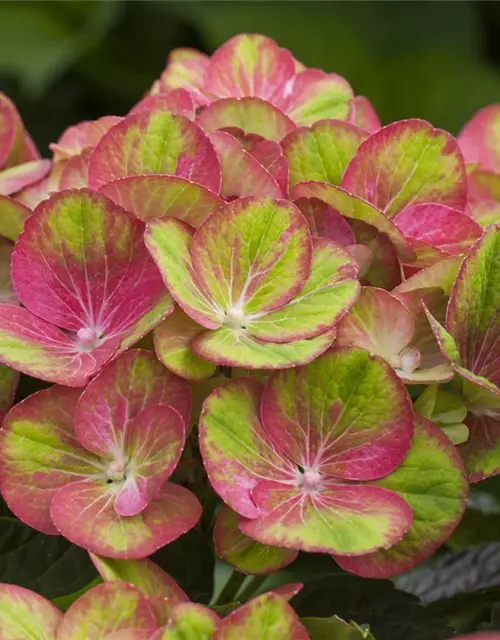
x: 479, y: 140
x: 144, y: 574
x: 378, y: 323
x: 155, y: 142
x: 107, y: 609
x: 186, y: 69
x: 250, y: 115
x: 329, y: 292
x: 346, y: 414
x: 245, y: 248
x: 267, y: 617
x: 471, y: 316
x: 483, y: 185
x: 16, y: 146
x: 22, y: 175
x: 169, y: 242
x: 440, y: 226
x: 119, y: 395
x: 242, y: 174
x: 13, y: 215
x: 354, y: 208
x: 189, y: 621
x: 81, y: 264
x: 243, y: 553
x: 325, y: 222
x: 338, y: 518
x: 431, y: 480
x: 178, y: 101
x: 289, y: 590
x: 144, y: 326
x: 153, y: 443
x: 152, y: 196
x: 384, y: 268
x: 364, y: 115
x: 83, y: 513
x: 441, y: 275
x: 408, y: 162
x: 74, y: 172
x: 485, y: 212
x: 172, y: 340
x: 481, y: 452
x: 321, y: 152
x: 271, y: 157
x: 234, y: 447
x: 229, y: 348
x: 36, y: 347
x: 40, y: 454
x: 25, y: 615
x: 250, y: 65
x: 9, y: 123
x: 317, y: 95
x: 82, y: 136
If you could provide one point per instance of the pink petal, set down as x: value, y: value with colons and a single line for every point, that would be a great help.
x: 114, y: 402
x: 83, y: 512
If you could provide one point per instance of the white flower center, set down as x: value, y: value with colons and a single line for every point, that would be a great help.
x: 408, y: 360
x: 87, y: 338
x: 309, y: 480
x: 235, y: 319
x: 116, y: 470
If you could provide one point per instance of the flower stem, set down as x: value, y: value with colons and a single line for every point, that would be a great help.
x: 252, y: 587
x: 233, y: 585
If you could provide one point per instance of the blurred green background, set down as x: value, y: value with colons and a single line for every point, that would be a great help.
x: 67, y: 61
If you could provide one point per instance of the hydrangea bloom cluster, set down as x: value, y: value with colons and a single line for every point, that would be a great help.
x: 326, y: 289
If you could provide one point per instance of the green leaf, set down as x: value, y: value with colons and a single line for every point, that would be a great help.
x: 391, y: 614
x: 334, y: 627
x: 190, y: 562
x: 49, y: 565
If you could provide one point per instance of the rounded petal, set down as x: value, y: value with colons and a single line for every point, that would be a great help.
x: 40, y: 454
x: 339, y: 518
x: 246, y: 247
x: 106, y: 609
x: 155, y: 142
x: 234, y: 447
x: 117, y: 397
x: 163, y: 196
x: 345, y: 415
x: 83, y: 513
x: 24, y: 612
x: 81, y: 263
x: 408, y: 162
x: 173, y: 339
x: 250, y: 115
x: 378, y: 323
x: 267, y: 616
x: 242, y: 174
x: 432, y: 481
x: 321, y: 152
x: 243, y: 553
x: 479, y: 140
x: 250, y: 65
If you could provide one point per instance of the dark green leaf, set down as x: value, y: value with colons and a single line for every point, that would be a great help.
x: 190, y: 561
x: 390, y: 614
x: 49, y: 565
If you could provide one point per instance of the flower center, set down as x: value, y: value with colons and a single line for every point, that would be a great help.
x: 116, y: 470
x: 235, y: 319
x: 408, y: 360
x: 309, y: 480
x: 87, y: 338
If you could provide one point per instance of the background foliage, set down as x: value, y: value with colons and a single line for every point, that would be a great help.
x: 62, y: 62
